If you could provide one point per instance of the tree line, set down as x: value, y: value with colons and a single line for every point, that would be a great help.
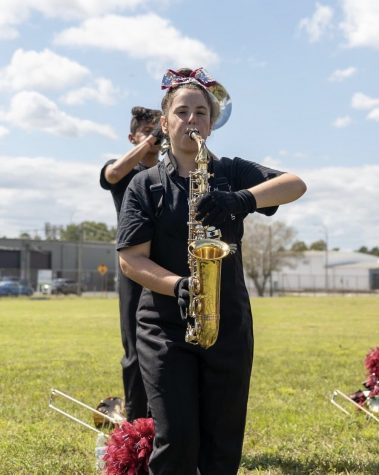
x: 84, y: 231
x: 97, y: 231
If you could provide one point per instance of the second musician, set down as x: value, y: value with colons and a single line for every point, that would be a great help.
x: 198, y: 397
x: 115, y: 176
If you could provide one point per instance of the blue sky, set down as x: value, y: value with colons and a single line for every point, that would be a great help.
x: 303, y: 77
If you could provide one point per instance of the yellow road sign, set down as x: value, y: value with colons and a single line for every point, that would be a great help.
x: 102, y: 269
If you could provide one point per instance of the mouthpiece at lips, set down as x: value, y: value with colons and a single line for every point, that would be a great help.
x: 190, y: 132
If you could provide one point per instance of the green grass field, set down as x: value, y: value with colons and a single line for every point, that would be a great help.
x: 304, y: 348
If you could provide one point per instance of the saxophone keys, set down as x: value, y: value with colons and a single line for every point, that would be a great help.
x: 194, y: 285
x: 198, y: 306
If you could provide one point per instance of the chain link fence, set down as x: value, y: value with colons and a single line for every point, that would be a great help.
x: 282, y: 283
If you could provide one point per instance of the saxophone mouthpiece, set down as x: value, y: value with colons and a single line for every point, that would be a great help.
x: 192, y: 132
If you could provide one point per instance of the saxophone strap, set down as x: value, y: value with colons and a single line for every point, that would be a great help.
x: 219, y: 180
x: 221, y: 183
x: 156, y: 188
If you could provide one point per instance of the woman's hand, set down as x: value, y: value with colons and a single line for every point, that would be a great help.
x: 158, y: 134
x: 214, y: 207
x: 181, y: 291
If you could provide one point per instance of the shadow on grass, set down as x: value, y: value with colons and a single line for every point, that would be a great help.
x: 297, y: 467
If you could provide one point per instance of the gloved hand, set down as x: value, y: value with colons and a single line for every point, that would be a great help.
x: 214, y: 207
x: 181, y: 292
x: 158, y: 134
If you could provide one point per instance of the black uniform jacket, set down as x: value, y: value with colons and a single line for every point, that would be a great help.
x: 167, y: 230
x: 118, y: 189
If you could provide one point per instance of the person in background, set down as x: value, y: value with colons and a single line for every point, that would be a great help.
x: 198, y: 397
x: 145, y: 135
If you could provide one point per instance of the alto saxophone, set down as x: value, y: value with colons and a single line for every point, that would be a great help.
x: 205, y: 254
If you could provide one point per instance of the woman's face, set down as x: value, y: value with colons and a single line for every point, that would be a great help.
x: 189, y: 109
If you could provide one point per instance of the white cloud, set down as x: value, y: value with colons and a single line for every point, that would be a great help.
x: 318, y: 24
x: 12, y: 13
x: 342, y: 122
x: 293, y: 155
x: 340, y: 75
x: 344, y: 199
x: 62, y: 198
x: 82, y: 8
x: 31, y: 110
x: 15, y: 12
x: 3, y: 131
x: 146, y: 37
x: 361, y: 23
x: 102, y: 91
x: 362, y: 102
x: 270, y: 162
x: 374, y: 115
x: 40, y: 70
x: 334, y: 196
x: 7, y: 32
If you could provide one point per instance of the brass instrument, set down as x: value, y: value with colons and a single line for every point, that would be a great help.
x: 374, y: 407
x: 205, y: 254
x: 101, y: 419
x: 367, y: 399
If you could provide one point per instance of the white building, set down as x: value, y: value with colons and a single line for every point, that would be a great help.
x: 332, y: 271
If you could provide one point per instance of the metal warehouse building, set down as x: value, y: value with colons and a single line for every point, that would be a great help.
x: 80, y: 261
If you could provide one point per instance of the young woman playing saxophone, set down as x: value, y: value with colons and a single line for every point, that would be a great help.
x: 198, y: 397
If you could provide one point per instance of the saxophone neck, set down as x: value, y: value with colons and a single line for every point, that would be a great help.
x: 203, y: 154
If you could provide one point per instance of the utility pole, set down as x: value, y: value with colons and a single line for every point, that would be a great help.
x: 326, y: 257
x: 270, y: 258
x: 25, y: 260
x: 80, y: 258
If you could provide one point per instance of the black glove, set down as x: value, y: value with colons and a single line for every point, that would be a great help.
x: 181, y: 292
x: 214, y: 207
x: 158, y: 134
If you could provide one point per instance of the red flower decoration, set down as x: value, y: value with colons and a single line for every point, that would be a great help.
x: 129, y: 447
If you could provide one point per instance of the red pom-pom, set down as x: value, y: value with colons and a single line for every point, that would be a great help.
x: 129, y: 448
x: 374, y: 391
x: 372, y: 361
x: 372, y: 366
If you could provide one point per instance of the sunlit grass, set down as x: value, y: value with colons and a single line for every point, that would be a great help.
x: 304, y: 348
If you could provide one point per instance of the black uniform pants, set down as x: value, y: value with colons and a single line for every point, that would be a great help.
x: 198, y: 400
x: 135, y: 394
